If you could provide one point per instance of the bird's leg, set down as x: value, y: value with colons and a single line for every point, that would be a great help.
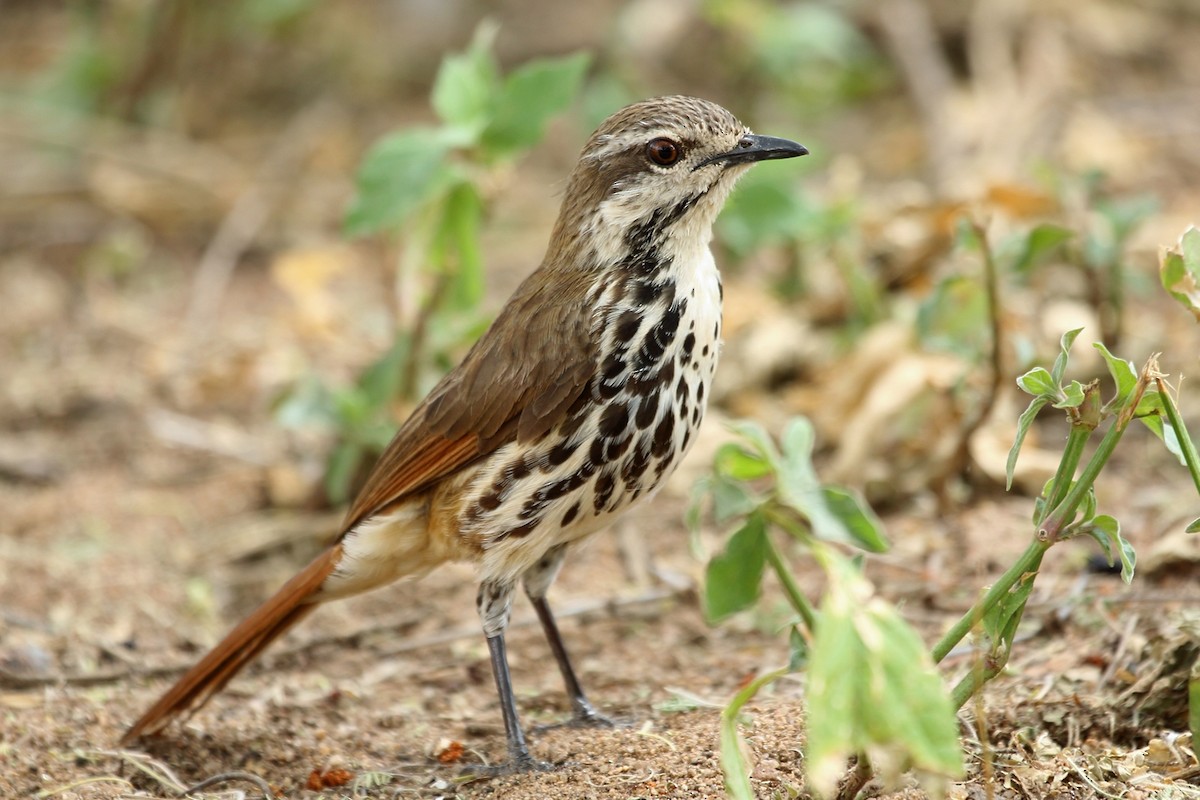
x: 495, y: 604
x: 537, y: 580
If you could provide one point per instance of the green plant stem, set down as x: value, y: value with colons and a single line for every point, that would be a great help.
x: 733, y: 764
x: 856, y: 778
x: 1186, y: 445
x: 1061, y: 513
x: 791, y: 588
x: 1029, y: 561
x: 971, y: 683
x: 1076, y: 440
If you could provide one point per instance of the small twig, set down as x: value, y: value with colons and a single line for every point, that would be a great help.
x: 225, y: 777
x: 991, y: 285
x: 157, y: 771
x: 1078, y: 770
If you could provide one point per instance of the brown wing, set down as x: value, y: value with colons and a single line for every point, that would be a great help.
x: 517, y: 382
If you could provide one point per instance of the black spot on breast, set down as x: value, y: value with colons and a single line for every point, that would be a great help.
x: 614, y: 420
x: 611, y: 376
x: 689, y: 342
x: 647, y: 411
x: 490, y: 501
x: 664, y: 435
x: 604, y: 490
x: 635, y: 465
x: 720, y: 290
x: 562, y: 451
x: 659, y: 337
x: 645, y: 292
x: 520, y: 530
x: 604, y: 450
x: 717, y: 330
x: 627, y: 325
x: 704, y: 351
x: 553, y: 491
x: 518, y: 468
x: 681, y: 390
x: 700, y: 393
x: 570, y: 514
x: 696, y: 416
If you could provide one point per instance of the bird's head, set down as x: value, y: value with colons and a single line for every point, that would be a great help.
x: 667, y: 162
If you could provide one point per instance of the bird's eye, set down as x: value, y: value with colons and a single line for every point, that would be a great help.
x: 663, y: 152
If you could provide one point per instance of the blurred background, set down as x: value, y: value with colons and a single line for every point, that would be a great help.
x: 183, y: 235
x: 238, y: 241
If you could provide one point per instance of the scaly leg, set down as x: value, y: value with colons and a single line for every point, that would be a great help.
x: 537, y: 582
x: 495, y: 604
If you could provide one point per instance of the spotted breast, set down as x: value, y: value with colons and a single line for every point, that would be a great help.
x: 659, y: 332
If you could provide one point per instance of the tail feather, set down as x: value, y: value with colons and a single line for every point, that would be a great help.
x: 292, y: 603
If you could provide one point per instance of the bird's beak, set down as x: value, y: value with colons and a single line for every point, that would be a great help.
x: 754, y: 148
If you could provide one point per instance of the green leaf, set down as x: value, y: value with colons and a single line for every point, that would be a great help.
x: 1001, y: 621
x: 466, y: 83
x: 1152, y: 414
x: 734, y: 763
x: 1038, y: 382
x: 1072, y: 395
x: 735, y: 462
x: 734, y: 577
x: 1193, y: 527
x: 1040, y: 242
x: 759, y: 440
x: 401, y: 172
x: 1124, y: 374
x: 1111, y: 529
x: 1024, y: 422
x: 799, y: 487
x: 1064, y: 349
x: 732, y: 499
x: 798, y: 650
x: 766, y: 209
x: 857, y: 518
x: 872, y: 687
x: 531, y: 95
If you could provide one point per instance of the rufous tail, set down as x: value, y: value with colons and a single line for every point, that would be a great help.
x: 292, y: 603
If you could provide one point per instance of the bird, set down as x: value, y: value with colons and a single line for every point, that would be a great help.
x: 578, y: 401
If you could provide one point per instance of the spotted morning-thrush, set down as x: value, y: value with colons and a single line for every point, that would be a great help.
x: 578, y: 401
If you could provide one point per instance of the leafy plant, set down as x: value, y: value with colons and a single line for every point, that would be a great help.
x: 873, y: 691
x: 423, y: 188
x: 864, y: 662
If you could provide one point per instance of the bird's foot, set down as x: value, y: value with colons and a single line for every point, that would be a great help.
x: 517, y: 763
x: 585, y: 716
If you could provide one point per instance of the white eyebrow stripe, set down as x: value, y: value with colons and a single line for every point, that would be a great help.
x: 611, y: 144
